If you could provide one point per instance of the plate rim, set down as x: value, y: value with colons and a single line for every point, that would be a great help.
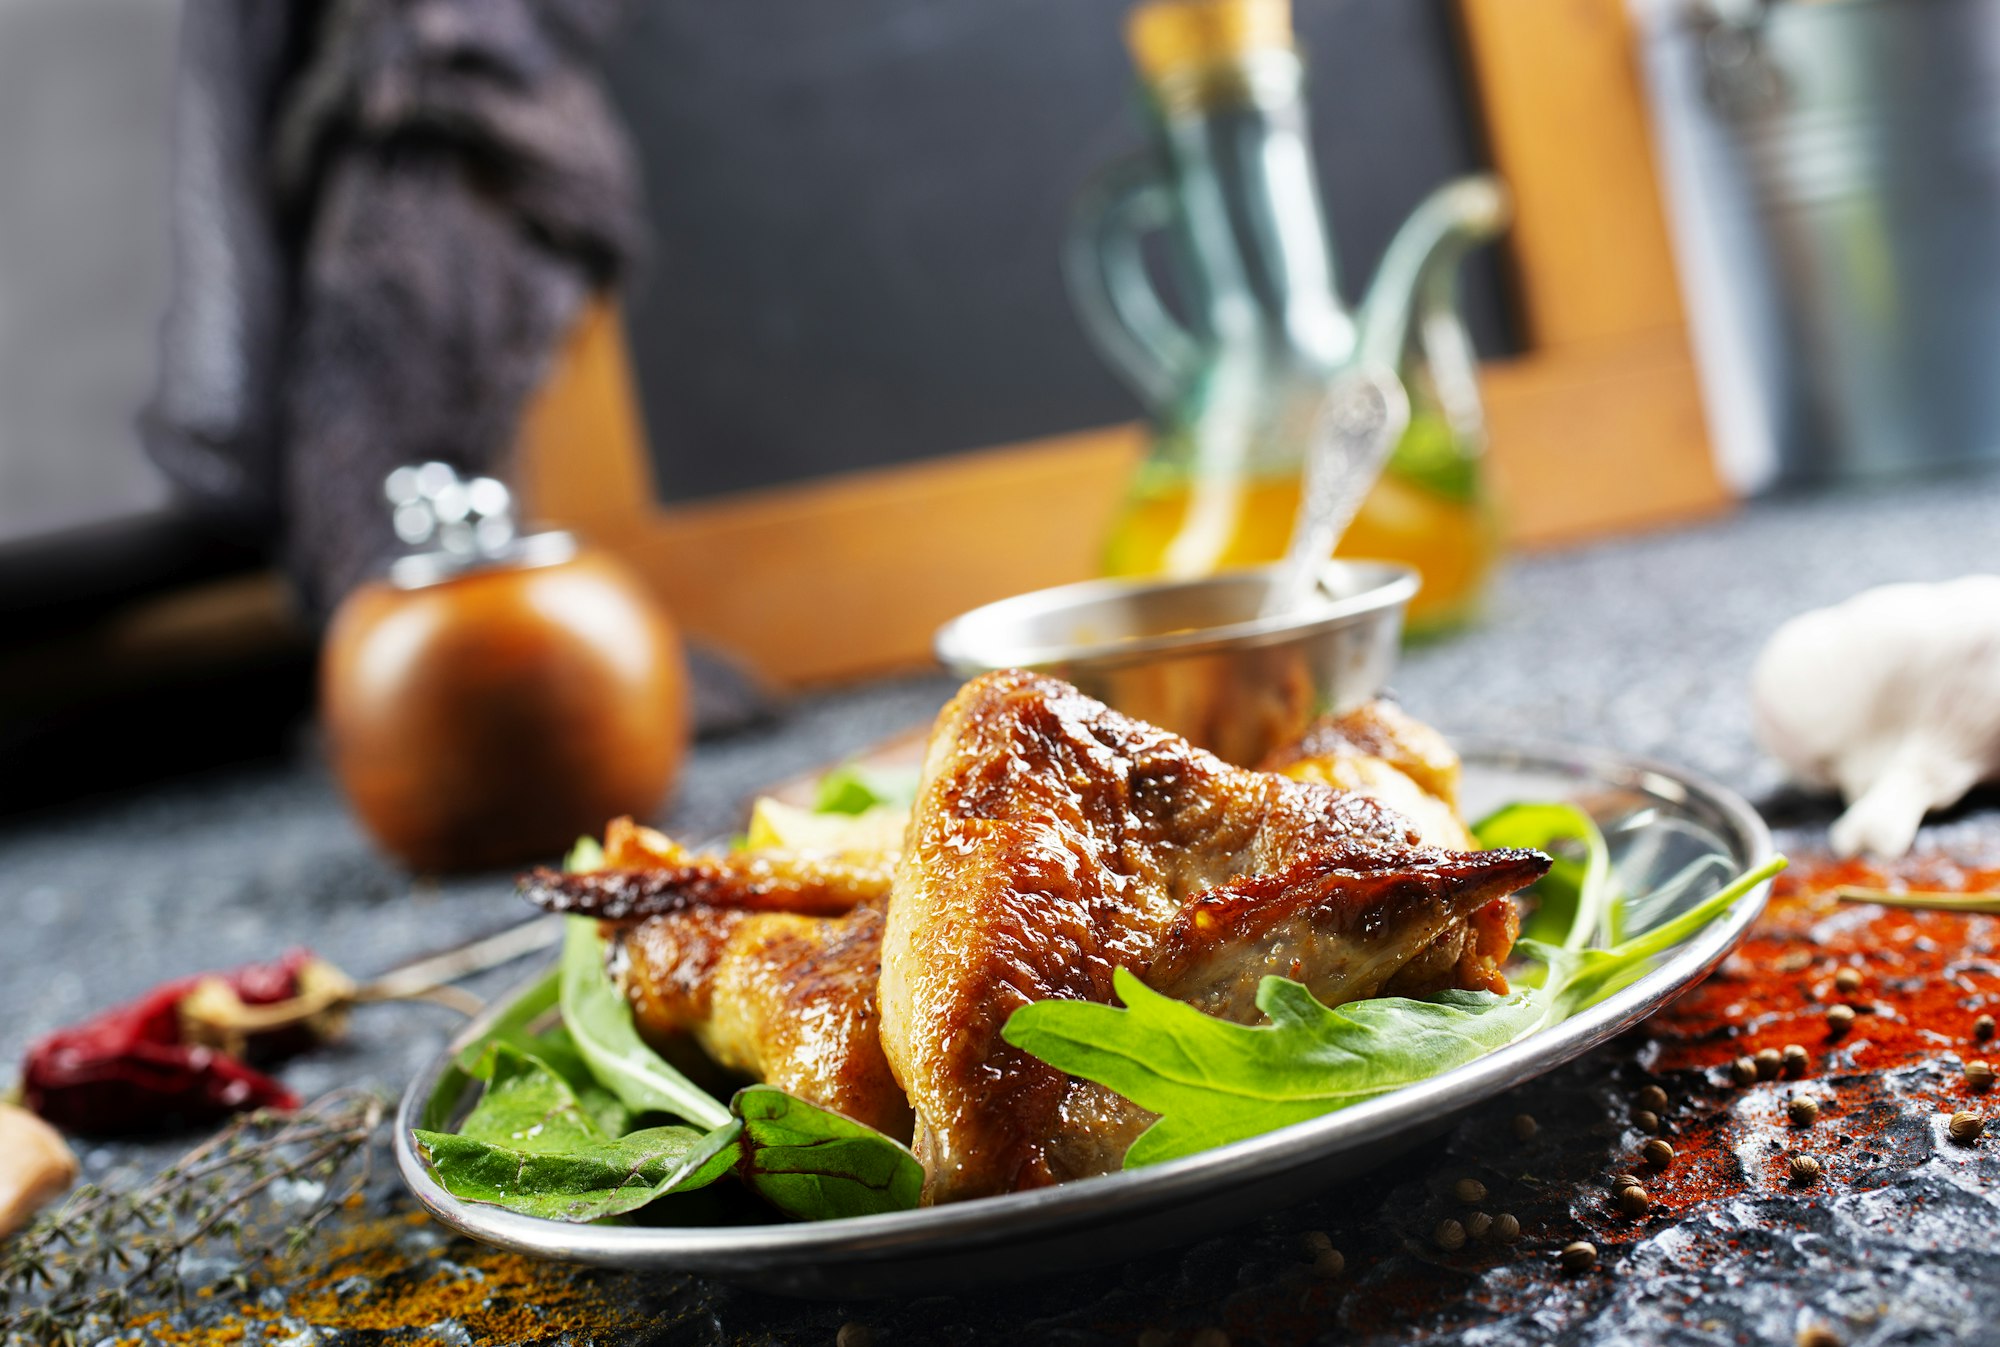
x: 1130, y: 1193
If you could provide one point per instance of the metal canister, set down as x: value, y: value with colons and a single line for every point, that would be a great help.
x: 1868, y: 132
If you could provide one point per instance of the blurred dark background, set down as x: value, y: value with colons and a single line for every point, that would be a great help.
x: 858, y: 207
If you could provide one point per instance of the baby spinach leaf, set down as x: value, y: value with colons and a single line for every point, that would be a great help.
x: 1576, y: 892
x: 1213, y: 1081
x: 600, y: 1024
x: 815, y: 1164
x: 598, y: 1179
x: 528, y: 1107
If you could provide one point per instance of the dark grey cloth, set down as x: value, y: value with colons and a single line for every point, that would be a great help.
x: 388, y: 212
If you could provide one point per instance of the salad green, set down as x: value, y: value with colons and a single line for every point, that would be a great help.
x: 580, y: 1120
x: 1213, y: 1081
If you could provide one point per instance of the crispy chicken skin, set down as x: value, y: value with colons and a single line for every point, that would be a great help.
x: 646, y: 874
x: 1380, y: 750
x: 784, y: 998
x: 1055, y: 840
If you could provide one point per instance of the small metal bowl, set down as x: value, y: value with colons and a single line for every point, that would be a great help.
x: 1196, y: 656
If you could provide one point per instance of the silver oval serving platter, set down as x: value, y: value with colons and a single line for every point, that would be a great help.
x: 1662, y: 824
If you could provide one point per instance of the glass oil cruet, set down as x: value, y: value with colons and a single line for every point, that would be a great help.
x: 1234, y: 377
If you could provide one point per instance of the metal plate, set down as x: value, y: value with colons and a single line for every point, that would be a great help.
x: 1659, y: 821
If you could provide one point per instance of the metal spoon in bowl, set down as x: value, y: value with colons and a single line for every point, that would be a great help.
x: 1363, y: 414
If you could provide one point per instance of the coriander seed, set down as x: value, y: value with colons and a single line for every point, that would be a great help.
x: 1506, y: 1227
x: 1315, y: 1244
x: 1803, y: 1111
x: 1634, y: 1201
x: 1209, y: 1337
x: 1965, y: 1126
x: 1768, y: 1060
x: 1795, y: 1059
x: 1982, y: 1028
x: 1657, y: 1153
x: 1804, y: 1170
x: 1154, y: 1337
x: 1743, y: 1071
x: 1479, y: 1226
x: 1525, y: 1127
x: 1621, y: 1181
x: 1579, y: 1256
x: 854, y: 1334
x: 1449, y: 1235
x: 1654, y: 1098
x: 1979, y: 1075
x: 1469, y: 1192
x: 1819, y: 1335
x: 1329, y: 1265
x: 1847, y: 981
x: 1646, y: 1121
x: 1839, y: 1019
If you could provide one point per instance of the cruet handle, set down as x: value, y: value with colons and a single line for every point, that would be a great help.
x: 1104, y: 262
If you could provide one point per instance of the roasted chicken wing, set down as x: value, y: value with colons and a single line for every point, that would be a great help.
x: 783, y: 998
x: 1380, y: 750
x: 647, y: 874
x: 1054, y: 840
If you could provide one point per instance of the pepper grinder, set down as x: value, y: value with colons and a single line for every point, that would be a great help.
x: 496, y: 695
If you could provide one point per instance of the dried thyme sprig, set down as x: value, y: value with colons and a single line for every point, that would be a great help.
x: 106, y: 1254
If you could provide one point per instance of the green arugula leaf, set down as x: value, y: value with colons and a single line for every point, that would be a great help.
x: 529, y: 1107
x: 598, y: 1179
x: 819, y: 1165
x: 1213, y: 1081
x: 855, y: 789
x: 585, y: 856
x: 1576, y: 893
x: 600, y: 1025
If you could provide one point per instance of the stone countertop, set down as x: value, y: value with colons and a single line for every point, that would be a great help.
x: 1642, y: 645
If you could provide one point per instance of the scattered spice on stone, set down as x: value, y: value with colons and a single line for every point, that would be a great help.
x: 1506, y: 1227
x: 1795, y: 1059
x: 1839, y: 1019
x: 1646, y: 1121
x: 1965, y: 1127
x: 1525, y: 1127
x: 1654, y: 1098
x: 1804, y: 1169
x: 1743, y: 1071
x: 1982, y: 1028
x: 1579, y: 1256
x: 1979, y: 1075
x: 1634, y: 1201
x: 1803, y: 1111
x: 1449, y: 1235
x: 1469, y: 1192
x: 1769, y: 1061
x: 1657, y: 1153
x: 1847, y: 981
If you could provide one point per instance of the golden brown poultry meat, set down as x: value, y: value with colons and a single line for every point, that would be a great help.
x: 1054, y: 840
x: 783, y: 998
x: 647, y: 874
x: 1378, y: 749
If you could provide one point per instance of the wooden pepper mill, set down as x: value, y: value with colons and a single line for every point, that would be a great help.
x: 496, y: 696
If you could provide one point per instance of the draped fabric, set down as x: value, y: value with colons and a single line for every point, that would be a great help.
x: 387, y: 214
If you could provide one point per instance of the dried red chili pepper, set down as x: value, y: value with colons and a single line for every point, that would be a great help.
x: 132, y: 1069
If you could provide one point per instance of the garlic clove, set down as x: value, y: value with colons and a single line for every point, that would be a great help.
x: 35, y: 1167
x: 1893, y: 698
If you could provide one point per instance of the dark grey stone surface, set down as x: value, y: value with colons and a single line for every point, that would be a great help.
x: 1642, y: 645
